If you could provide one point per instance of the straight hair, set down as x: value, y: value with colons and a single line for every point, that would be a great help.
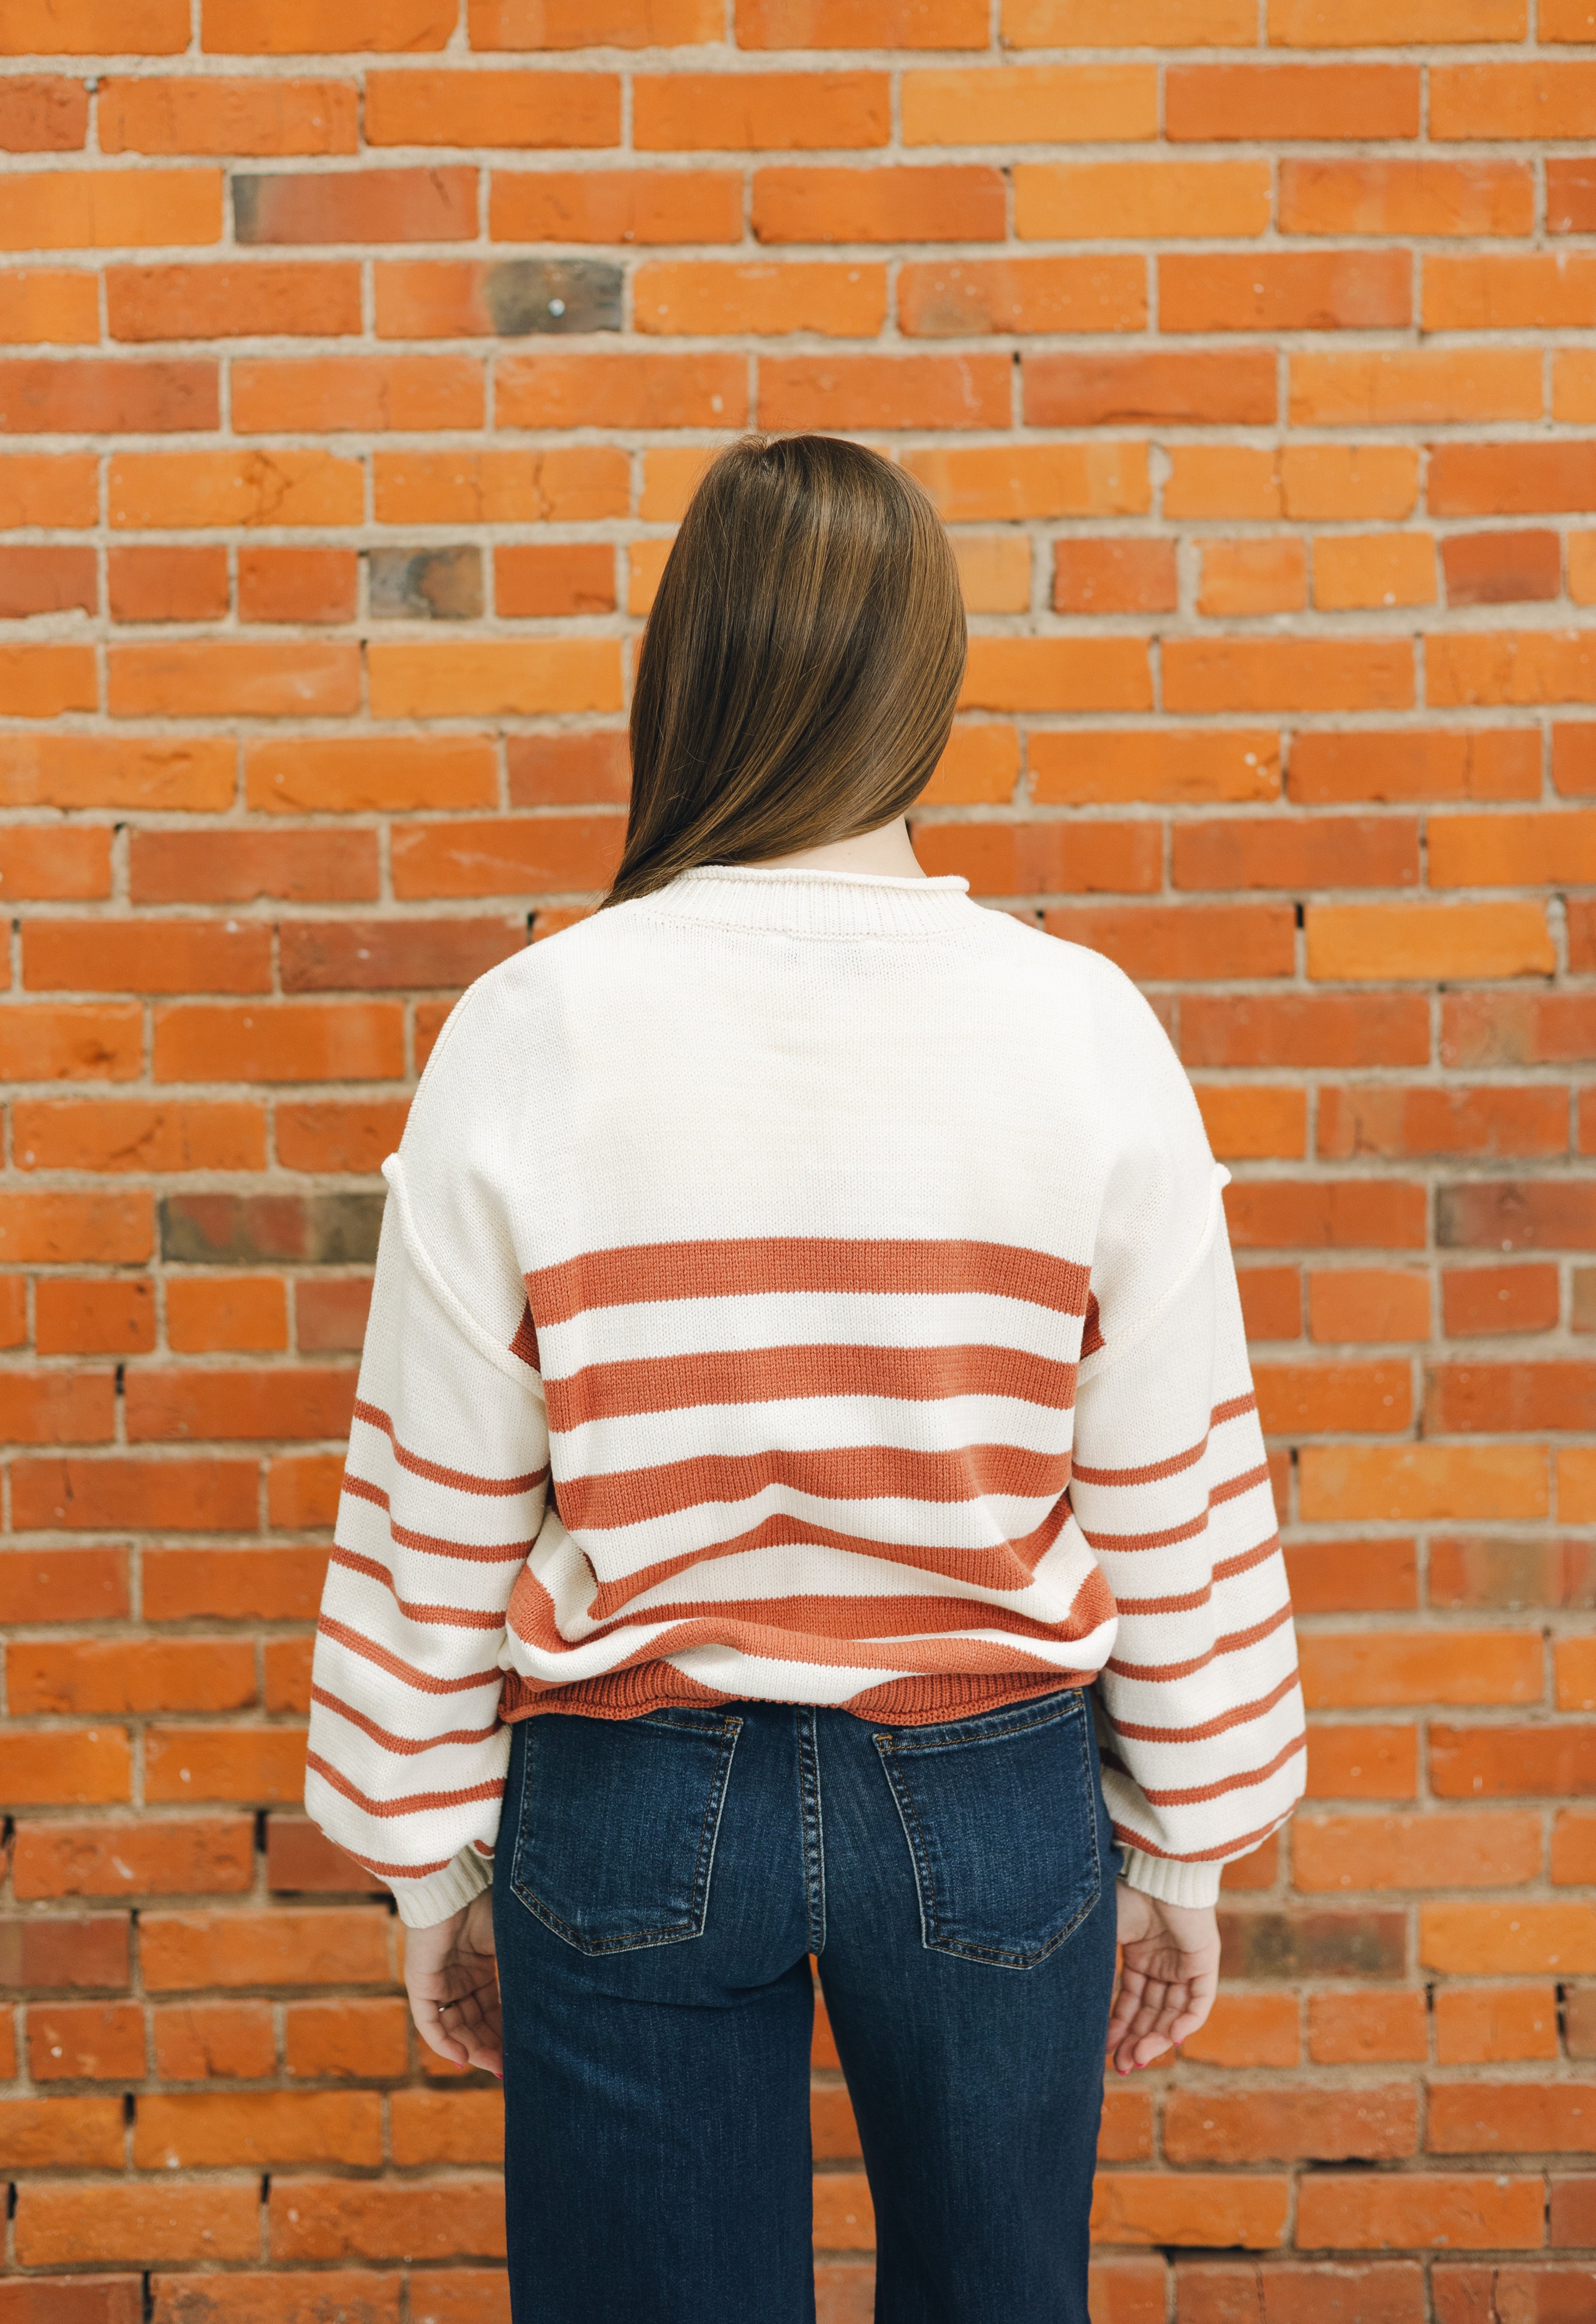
x: 800, y: 666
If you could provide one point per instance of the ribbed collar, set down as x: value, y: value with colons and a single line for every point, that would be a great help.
x: 815, y: 903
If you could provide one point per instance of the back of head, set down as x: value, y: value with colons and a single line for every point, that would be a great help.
x: 801, y: 663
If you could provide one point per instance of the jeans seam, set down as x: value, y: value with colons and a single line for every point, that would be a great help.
x: 811, y: 1826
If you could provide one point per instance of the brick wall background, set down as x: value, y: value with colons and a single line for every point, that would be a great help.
x: 361, y: 353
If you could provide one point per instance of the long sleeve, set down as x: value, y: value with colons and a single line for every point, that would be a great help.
x: 1204, y: 1749
x: 443, y: 1495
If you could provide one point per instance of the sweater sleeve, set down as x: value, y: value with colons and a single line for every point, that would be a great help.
x: 1204, y: 1750
x: 443, y: 1494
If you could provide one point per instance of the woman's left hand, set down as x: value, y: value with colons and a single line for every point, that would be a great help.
x: 1168, y: 1976
x: 452, y: 1977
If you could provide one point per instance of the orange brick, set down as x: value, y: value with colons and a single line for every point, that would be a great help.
x: 547, y: 855
x: 205, y: 2040
x: 48, y: 302
x: 68, y: 1043
x: 1033, y: 480
x: 1500, y: 762
x: 1489, y: 291
x: 57, y: 489
x: 1181, y: 386
x: 1459, y: 1849
x: 156, y: 1856
x: 1338, y: 481
x: 1137, y: 200
x: 364, y: 2038
x: 1513, y: 850
x: 954, y: 297
x: 237, y: 488
x: 695, y: 297
x: 145, y: 956
x: 981, y: 765
x: 1373, y: 23
x: 577, y: 23
x: 284, y: 1041
x: 102, y: 770
x: 1488, y: 1299
x: 866, y: 391
x: 1512, y: 479
x: 1411, y: 1483
x: 1363, y: 1763
x: 1281, y: 102
x: 1115, y: 576
x: 44, y: 681
x: 110, y: 209
x: 318, y: 27
x: 261, y: 298
x: 152, y: 116
x: 1574, y: 387
x: 42, y: 113
x: 1222, y: 480
x: 141, y: 2223
x: 1162, y: 943
x: 637, y: 206
x: 1057, y: 673
x: 60, y: 1766
x: 1480, y: 2025
x: 1158, y: 2206
x: 335, y: 394
x: 1415, y: 386
x: 1298, y: 1399
x: 1248, y: 2029
x: 131, y: 1134
x: 1253, y: 576
x: 296, y: 585
x: 619, y: 390
x: 1542, y: 99
x: 226, y: 1312
x: 1206, y: 674
x: 1366, y: 1303
x: 85, y: 2040
x: 853, y: 24
x: 951, y: 203
x: 1289, y: 2124
x: 1511, y: 1940
x: 1366, y: 2028
x: 491, y: 677
x: 1465, y: 2212
x: 1012, y: 859
x: 478, y: 109
x: 1389, y: 1119
x: 48, y: 581
x: 1140, y: 23
x: 94, y: 1318
x: 1380, y: 941
x: 431, y: 205
x: 1353, y: 569
x: 1027, y: 105
x: 223, y: 679
x: 351, y: 775
x: 751, y: 112
x: 1403, y: 197
x: 1254, y: 1121
x: 1285, y: 291
x: 565, y: 484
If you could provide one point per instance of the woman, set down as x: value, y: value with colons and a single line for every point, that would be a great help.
x: 805, y: 1397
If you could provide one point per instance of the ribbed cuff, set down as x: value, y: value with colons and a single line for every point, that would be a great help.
x: 1171, y: 1883
x: 423, y: 1903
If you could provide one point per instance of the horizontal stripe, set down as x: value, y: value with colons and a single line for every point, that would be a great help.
x: 454, y: 1618
x: 459, y: 1480
x: 1234, y: 1487
x: 634, y: 1273
x: 1232, y: 1409
x: 413, y: 1804
x: 822, y: 1368
x: 396, y: 1871
x: 1227, y: 1568
x: 1240, y: 1714
x: 1244, y: 1781
x: 869, y: 1620
x: 1006, y: 1566
x: 433, y: 1545
x: 372, y: 1651
x: 1156, y: 1470
x: 1228, y: 1489
x: 1233, y: 1643
x: 1225, y: 1571
x: 406, y: 1745
x: 834, y: 1473
x: 1241, y: 1845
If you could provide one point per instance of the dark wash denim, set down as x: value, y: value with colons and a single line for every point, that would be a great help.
x: 659, y: 1888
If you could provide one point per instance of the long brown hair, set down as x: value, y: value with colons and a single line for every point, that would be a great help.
x: 801, y: 663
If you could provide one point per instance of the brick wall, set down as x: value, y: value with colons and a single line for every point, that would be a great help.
x: 361, y: 355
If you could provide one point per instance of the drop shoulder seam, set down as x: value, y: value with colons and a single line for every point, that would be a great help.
x: 1094, y: 1367
x: 482, y: 1341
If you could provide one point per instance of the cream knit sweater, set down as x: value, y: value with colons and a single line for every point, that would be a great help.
x: 809, y: 1286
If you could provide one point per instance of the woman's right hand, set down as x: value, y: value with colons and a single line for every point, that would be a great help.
x: 1168, y: 1976
x: 452, y: 1977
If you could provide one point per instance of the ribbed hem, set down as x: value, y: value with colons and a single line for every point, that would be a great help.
x: 815, y: 903
x: 924, y: 1700
x: 423, y: 1903
x: 1171, y: 1883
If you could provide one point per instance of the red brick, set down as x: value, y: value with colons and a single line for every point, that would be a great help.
x: 153, y: 1856
x: 168, y: 583
x: 1291, y: 2123
x: 205, y: 1495
x: 1570, y: 186
x: 430, y: 204
x: 534, y: 581
x: 144, y: 2222
x: 1509, y: 1762
x: 42, y: 113
x: 1489, y: 1299
x: 1121, y: 389
x: 455, y: 2218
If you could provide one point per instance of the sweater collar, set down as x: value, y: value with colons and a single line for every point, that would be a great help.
x: 795, y: 901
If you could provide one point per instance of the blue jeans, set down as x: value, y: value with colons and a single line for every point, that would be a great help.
x: 659, y: 1886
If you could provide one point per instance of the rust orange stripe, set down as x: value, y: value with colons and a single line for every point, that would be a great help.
x: 413, y: 1804
x: 743, y: 1266
x: 405, y: 1744
x: 455, y: 1618
x: 840, y: 1473
x: 826, y: 1368
x: 460, y: 1480
x: 422, y: 1680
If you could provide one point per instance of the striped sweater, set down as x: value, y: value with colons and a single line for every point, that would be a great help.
x: 809, y: 1286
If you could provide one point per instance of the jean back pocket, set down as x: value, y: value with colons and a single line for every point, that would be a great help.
x: 615, y: 1838
x: 1001, y: 1816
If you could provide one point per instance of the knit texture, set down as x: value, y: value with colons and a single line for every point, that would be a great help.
x: 813, y: 1287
